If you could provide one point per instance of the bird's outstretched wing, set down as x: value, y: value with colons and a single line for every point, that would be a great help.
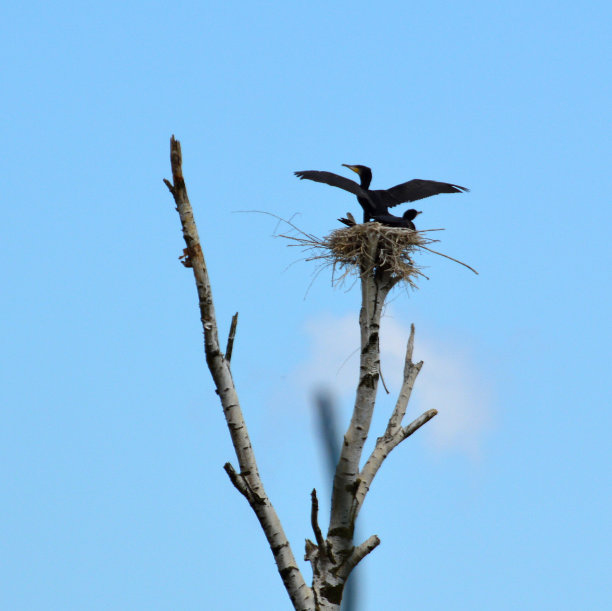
x: 417, y: 189
x: 329, y: 178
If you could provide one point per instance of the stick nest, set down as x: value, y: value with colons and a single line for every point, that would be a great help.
x: 366, y: 248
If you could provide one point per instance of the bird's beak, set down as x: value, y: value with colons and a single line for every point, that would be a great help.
x: 351, y: 167
x: 419, y: 212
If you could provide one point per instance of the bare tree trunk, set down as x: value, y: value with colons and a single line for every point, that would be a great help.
x: 247, y: 481
x: 334, y: 557
x: 332, y: 568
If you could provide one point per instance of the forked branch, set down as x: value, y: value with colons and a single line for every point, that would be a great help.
x: 395, y: 433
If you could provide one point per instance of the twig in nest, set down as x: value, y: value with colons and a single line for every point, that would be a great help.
x: 435, y: 252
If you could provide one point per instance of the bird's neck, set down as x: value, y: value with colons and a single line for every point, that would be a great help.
x: 366, y: 179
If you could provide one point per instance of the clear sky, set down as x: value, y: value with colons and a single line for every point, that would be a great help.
x: 112, y: 492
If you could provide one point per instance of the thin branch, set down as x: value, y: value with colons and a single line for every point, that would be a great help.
x: 238, y: 481
x: 409, y: 349
x: 358, y: 554
x: 314, y: 520
x: 279, y: 218
x: 248, y: 481
x: 230, y: 338
x: 451, y: 258
x: 411, y: 371
x: 169, y: 185
x: 384, y: 446
x: 416, y: 424
x: 242, y: 485
x: 382, y: 380
x: 404, y: 396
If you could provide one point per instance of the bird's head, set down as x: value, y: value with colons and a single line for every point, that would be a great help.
x: 364, y: 173
x: 359, y: 169
x: 411, y: 214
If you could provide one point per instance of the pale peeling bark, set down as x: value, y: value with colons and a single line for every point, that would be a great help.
x: 248, y: 481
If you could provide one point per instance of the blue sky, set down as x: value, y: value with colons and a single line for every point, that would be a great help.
x: 111, y: 440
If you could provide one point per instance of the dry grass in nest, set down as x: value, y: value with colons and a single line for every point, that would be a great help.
x: 364, y: 248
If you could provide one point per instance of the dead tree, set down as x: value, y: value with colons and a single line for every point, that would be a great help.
x: 382, y: 257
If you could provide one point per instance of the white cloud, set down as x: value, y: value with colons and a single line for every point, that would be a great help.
x: 451, y: 383
x: 450, y: 380
x: 334, y: 353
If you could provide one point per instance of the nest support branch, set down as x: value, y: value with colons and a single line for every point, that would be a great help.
x: 375, y: 286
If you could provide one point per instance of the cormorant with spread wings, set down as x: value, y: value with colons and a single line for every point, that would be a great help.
x: 376, y: 202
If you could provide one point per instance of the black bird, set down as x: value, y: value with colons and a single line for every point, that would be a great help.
x: 376, y: 202
x: 388, y: 219
x: 399, y: 221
